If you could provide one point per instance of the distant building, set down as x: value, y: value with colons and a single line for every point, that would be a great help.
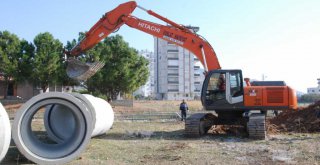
x: 315, y: 90
x: 178, y: 73
x: 25, y: 90
x: 147, y: 89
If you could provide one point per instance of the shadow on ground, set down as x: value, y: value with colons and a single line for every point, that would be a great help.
x: 169, y: 135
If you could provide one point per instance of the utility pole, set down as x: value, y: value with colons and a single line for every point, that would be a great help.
x: 264, y: 77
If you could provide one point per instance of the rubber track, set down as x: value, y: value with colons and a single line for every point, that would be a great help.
x: 192, y: 125
x: 256, y: 126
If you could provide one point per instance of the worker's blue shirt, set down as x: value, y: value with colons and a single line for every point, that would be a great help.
x: 183, y: 107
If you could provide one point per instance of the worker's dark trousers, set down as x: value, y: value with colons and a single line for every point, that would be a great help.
x: 183, y: 115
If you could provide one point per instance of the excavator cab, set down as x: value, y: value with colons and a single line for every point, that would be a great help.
x: 222, y: 90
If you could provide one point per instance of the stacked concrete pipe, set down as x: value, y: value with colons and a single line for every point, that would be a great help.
x: 5, y: 132
x: 59, y: 126
x: 70, y: 121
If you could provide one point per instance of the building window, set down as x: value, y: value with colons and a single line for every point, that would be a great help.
x: 173, y: 67
x: 172, y: 51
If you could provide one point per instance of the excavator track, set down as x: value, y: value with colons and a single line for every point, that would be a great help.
x: 198, y: 124
x: 256, y: 126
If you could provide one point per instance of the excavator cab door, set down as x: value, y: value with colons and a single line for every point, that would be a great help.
x: 222, y: 89
x: 234, y: 87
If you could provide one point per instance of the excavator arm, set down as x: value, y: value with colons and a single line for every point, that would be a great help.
x: 172, y: 32
x: 109, y: 23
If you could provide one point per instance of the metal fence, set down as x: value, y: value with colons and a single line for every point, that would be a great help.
x: 148, y: 116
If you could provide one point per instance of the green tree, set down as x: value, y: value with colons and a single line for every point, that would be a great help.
x: 11, y: 59
x: 124, y: 69
x: 25, y: 61
x: 47, y: 60
x: 309, y: 98
x: 63, y: 77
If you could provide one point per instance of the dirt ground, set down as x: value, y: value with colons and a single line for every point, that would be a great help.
x: 134, y: 142
x: 164, y: 143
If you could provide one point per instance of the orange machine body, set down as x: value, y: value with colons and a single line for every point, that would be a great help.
x: 276, y: 97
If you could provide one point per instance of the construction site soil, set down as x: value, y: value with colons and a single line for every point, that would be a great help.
x: 165, y: 143
x: 303, y: 120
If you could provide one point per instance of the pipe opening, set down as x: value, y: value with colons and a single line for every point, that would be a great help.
x: 37, y: 137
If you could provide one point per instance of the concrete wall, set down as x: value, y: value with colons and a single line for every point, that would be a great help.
x: 2, y: 87
x: 25, y: 90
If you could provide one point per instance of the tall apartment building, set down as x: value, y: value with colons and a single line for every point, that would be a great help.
x: 178, y: 74
x: 148, y: 89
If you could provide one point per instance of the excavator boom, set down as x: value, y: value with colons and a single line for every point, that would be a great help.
x: 173, y: 33
x: 109, y: 22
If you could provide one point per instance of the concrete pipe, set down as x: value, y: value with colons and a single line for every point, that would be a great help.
x: 60, y: 124
x: 5, y: 132
x: 60, y: 152
x: 103, y: 114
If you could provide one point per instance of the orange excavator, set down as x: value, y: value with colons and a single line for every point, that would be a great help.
x: 233, y: 99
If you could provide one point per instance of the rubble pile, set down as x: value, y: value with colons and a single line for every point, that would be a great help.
x: 304, y: 120
x: 236, y: 130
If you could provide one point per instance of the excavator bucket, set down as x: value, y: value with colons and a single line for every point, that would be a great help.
x: 82, y: 71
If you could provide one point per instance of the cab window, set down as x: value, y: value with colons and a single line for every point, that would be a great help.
x: 216, y: 88
x: 235, y: 84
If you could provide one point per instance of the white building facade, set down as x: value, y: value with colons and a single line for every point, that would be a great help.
x: 178, y: 74
x: 315, y: 90
x: 147, y: 90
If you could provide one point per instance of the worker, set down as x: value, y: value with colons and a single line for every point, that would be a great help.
x: 221, y: 86
x: 183, y: 108
x: 222, y: 83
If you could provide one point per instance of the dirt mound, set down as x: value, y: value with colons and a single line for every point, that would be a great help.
x: 304, y: 120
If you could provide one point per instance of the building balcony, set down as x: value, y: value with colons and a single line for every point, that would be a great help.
x: 173, y: 90
x: 173, y: 74
x: 173, y: 55
x: 173, y: 66
x: 173, y: 58
x: 172, y: 51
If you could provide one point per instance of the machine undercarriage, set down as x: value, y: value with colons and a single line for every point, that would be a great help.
x: 199, y: 124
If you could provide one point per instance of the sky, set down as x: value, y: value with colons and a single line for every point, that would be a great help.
x: 274, y: 39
